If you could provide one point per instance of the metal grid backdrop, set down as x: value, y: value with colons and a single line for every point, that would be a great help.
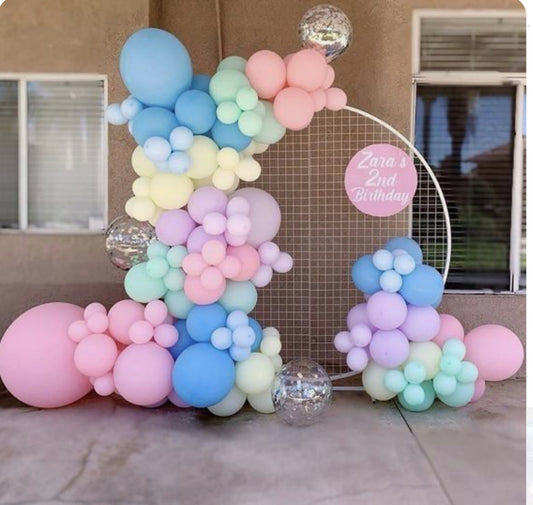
x: 325, y: 233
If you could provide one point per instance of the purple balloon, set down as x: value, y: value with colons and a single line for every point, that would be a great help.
x: 389, y: 348
x: 422, y: 323
x: 174, y: 227
x: 357, y: 359
x: 199, y: 237
x: 386, y: 311
x: 342, y: 342
x: 358, y: 315
x: 205, y: 200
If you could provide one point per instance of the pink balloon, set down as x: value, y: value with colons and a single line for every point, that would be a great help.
x: 319, y: 99
x: 94, y: 308
x: 214, y: 223
x: 105, y: 385
x: 199, y: 237
x: 389, y: 348
x: 479, y: 390
x: 156, y: 312
x: 495, y: 350
x: 141, y: 332
x: 294, y: 108
x: 143, y: 373
x: 307, y: 70
x: 288, y: 58
x: 173, y: 227
x: 357, y: 315
x: 263, y: 276
x: 343, y: 342
x: 283, y: 264
x: 197, y: 293
x: 268, y: 252
x: 357, y: 359
x: 386, y: 311
x: 97, y: 322
x: 230, y: 267
x: 235, y: 240
x: 205, y: 200
x: 166, y: 335
x: 212, y: 278
x: 265, y: 215
x: 121, y: 316
x: 336, y: 99
x: 37, y: 357
x: 237, y: 205
x: 213, y: 252
x: 239, y: 224
x: 266, y: 72
x: 450, y: 327
x: 194, y: 264
x: 78, y: 330
x: 421, y: 323
x: 330, y: 77
x: 95, y: 355
x: 249, y: 261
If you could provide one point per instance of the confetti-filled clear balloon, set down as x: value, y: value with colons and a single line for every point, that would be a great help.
x: 127, y: 241
x: 301, y: 392
x: 327, y: 29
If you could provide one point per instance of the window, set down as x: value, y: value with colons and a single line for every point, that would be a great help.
x: 469, y: 78
x: 53, y: 153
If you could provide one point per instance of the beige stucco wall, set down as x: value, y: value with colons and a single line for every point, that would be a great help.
x: 86, y: 36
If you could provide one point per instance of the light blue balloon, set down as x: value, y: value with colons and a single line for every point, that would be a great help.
x: 236, y: 318
x: 429, y: 398
x: 203, y: 375
x: 229, y: 135
x: 408, y: 245
x: 390, y: 281
x: 383, y: 259
x: 258, y: 334
x: 141, y: 287
x: 243, y: 336
x: 157, y: 149
x: 179, y: 162
x: 181, y: 138
x: 162, y: 166
x: 130, y: 107
x: 404, y: 264
x: 178, y: 304
x: 130, y: 127
x: 184, y: 339
x: 239, y: 295
x: 155, y: 67
x: 203, y: 320
x: 153, y: 122
x: 114, y: 115
x: 365, y: 275
x: 201, y: 82
x: 196, y: 110
x: 221, y: 338
x: 239, y: 353
x: 423, y: 287
x: 462, y: 394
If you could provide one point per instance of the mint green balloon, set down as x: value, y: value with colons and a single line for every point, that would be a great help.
x: 450, y: 365
x: 444, y: 384
x: 394, y: 381
x: 178, y: 304
x: 174, y: 279
x: 225, y: 84
x: 157, y: 250
x: 454, y: 347
x: 176, y: 255
x: 461, y: 396
x: 228, y: 112
x: 247, y: 98
x: 250, y: 123
x: 413, y: 394
x: 429, y: 398
x: 157, y: 267
x: 232, y: 63
x: 415, y: 372
x: 239, y: 295
x: 260, y: 108
x: 141, y: 287
x: 468, y: 372
x: 272, y: 130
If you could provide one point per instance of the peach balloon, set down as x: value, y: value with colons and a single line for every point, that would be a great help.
x: 193, y: 264
x: 495, y: 350
x: 307, y: 70
x: 197, y: 293
x: 121, y: 316
x: 249, y: 259
x: 213, y: 252
x: 319, y: 99
x: 266, y: 72
x: 37, y: 357
x: 294, y: 108
x: 335, y: 99
x: 450, y: 327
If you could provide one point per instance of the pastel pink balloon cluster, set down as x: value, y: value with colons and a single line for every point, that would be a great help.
x: 298, y: 85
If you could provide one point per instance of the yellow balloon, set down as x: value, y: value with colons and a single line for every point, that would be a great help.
x: 227, y: 157
x: 261, y: 148
x: 141, y: 164
x: 277, y: 362
x: 248, y: 169
x: 224, y: 178
x: 255, y: 374
x: 262, y: 402
x: 203, y: 157
x: 230, y: 404
x: 270, y: 331
x: 140, y: 208
x: 250, y: 149
x: 373, y: 382
x: 155, y: 216
x: 427, y: 353
x: 171, y: 191
x: 270, y: 346
x: 208, y: 181
x: 141, y: 186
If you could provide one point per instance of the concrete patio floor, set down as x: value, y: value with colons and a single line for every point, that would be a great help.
x: 105, y: 452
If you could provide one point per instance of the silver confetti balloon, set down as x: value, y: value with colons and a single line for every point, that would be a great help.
x: 127, y: 241
x: 327, y: 29
x: 301, y: 392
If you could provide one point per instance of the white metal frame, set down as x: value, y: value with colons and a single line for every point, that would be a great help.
x: 22, y: 80
x: 480, y: 78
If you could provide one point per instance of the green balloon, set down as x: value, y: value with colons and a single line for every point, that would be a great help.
x: 225, y: 84
x: 141, y: 287
x: 247, y: 98
x: 157, y: 267
x: 239, y: 295
x: 450, y: 365
x: 454, y: 347
x: 176, y: 255
x: 468, y: 372
x: 272, y: 130
x: 429, y: 398
x: 444, y: 384
x: 232, y: 63
x: 228, y: 112
x: 413, y: 394
x: 178, y: 304
x: 394, y: 381
x: 157, y: 250
x: 461, y: 396
x: 175, y: 279
x: 415, y: 372
x: 250, y: 123
x: 260, y: 108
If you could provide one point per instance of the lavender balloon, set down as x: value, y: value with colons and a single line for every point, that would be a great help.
x: 174, y: 227
x: 386, y: 311
x: 421, y: 323
x: 389, y: 348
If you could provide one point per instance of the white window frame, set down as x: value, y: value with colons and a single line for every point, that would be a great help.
x: 22, y: 79
x: 479, y: 78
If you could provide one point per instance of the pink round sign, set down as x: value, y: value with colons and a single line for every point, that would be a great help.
x: 381, y: 180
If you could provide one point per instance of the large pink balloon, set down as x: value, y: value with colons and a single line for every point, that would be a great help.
x: 294, y: 108
x: 450, y: 327
x: 495, y: 350
x: 249, y: 259
x: 143, y: 373
x: 307, y: 69
x: 266, y: 72
x: 37, y: 357
x: 265, y: 215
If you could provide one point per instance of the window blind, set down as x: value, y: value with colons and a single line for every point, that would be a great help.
x: 66, y: 176
x: 473, y: 44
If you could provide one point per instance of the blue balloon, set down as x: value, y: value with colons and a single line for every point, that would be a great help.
x: 155, y: 67
x: 365, y: 275
x: 229, y: 135
x: 423, y: 287
x: 258, y: 333
x: 203, y: 320
x: 184, y: 339
x: 196, y: 110
x: 181, y: 138
x: 201, y: 82
x: 179, y: 162
x: 203, y: 375
x: 130, y: 107
x: 153, y: 122
x: 114, y: 115
x: 409, y: 245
